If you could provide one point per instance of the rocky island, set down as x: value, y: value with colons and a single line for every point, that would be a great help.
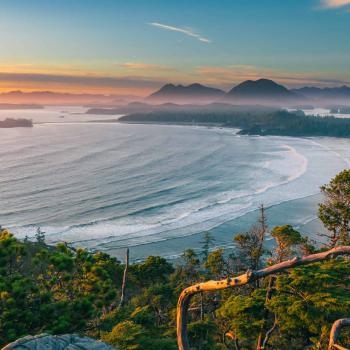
x: 16, y: 123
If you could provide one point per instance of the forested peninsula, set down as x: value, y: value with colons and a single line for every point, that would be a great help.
x: 263, y: 298
x: 251, y: 121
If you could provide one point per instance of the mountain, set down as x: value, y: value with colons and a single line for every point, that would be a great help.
x: 326, y: 95
x: 262, y: 91
x: 194, y: 93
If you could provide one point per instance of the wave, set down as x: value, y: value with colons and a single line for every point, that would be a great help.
x: 207, y: 213
x: 207, y: 181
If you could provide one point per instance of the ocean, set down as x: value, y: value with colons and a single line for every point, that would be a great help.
x: 154, y: 188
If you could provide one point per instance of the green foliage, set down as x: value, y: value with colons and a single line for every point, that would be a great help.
x: 334, y: 212
x: 51, y: 289
x: 243, y: 315
x: 207, y: 242
x: 216, y: 264
x: 252, y: 120
x: 286, y: 238
x: 126, y: 335
x: 202, y: 335
x: 309, y: 299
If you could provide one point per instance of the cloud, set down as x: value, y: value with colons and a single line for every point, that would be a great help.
x: 145, y: 66
x: 79, y: 83
x: 226, y: 76
x: 334, y: 3
x: 185, y: 31
x: 79, y: 79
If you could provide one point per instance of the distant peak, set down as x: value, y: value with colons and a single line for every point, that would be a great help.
x: 266, y: 80
x: 260, y: 89
x: 188, y: 93
x: 169, y: 85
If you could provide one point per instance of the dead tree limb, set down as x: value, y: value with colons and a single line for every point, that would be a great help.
x: 269, y: 291
x: 335, y: 333
x: 125, y: 275
x: 268, y: 333
x: 248, y: 277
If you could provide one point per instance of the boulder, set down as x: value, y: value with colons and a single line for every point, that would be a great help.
x: 57, y: 342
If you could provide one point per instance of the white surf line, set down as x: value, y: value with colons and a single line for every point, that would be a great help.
x: 328, y: 149
x: 301, y: 157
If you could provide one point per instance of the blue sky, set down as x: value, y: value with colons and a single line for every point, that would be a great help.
x: 135, y: 46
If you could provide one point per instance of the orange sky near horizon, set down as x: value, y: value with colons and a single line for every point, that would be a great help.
x: 141, y: 79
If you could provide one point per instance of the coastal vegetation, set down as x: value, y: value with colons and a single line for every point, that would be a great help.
x: 252, y: 122
x: 62, y: 289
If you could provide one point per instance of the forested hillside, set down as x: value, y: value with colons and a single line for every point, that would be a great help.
x: 62, y: 289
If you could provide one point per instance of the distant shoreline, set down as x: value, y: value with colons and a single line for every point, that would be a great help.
x: 250, y: 122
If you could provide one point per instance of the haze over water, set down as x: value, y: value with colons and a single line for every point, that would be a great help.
x: 110, y: 185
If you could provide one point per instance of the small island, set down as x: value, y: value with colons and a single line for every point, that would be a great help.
x: 16, y: 123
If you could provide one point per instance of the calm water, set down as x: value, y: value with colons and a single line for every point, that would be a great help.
x: 104, y: 186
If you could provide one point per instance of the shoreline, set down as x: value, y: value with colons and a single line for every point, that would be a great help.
x: 301, y: 213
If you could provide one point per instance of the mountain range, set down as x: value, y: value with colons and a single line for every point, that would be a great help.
x: 336, y: 93
x: 259, y: 92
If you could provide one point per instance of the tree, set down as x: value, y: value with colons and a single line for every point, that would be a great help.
x: 202, y: 335
x: 189, y: 269
x: 216, y: 263
x: 286, y: 238
x: 251, y: 244
x: 40, y: 236
x: 207, y: 242
x: 154, y: 269
x: 334, y: 212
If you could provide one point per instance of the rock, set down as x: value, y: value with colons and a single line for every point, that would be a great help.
x: 57, y: 342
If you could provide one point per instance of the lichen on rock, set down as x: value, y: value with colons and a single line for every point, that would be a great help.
x: 57, y: 342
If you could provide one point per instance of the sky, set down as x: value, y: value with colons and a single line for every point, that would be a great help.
x: 133, y: 47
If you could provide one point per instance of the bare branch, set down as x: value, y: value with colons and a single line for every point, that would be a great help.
x: 122, y: 298
x: 269, y: 332
x: 248, y: 277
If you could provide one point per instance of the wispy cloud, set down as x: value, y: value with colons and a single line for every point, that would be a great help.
x: 145, y: 66
x: 226, y: 76
x: 334, y: 3
x: 185, y: 31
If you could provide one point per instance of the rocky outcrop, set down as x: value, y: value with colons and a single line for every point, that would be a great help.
x: 57, y: 342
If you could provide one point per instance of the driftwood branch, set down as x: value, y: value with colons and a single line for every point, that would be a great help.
x: 335, y: 333
x: 248, y: 277
x: 125, y: 275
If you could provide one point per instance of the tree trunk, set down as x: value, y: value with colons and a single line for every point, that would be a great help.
x: 202, y: 308
x: 249, y: 276
x: 335, y: 332
x: 122, y: 297
x: 269, y: 291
